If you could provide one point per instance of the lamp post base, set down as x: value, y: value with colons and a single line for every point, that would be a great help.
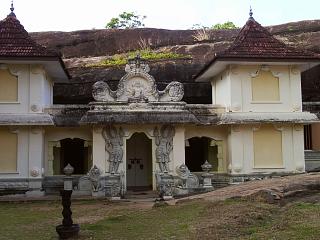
x: 66, y: 232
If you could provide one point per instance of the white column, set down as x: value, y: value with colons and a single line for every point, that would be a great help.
x: 51, y: 145
x: 178, y: 152
x: 88, y: 144
x: 36, y: 148
x: 235, y: 142
x: 298, y: 147
x: 98, y: 149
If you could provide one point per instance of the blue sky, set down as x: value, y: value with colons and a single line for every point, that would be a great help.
x: 69, y: 15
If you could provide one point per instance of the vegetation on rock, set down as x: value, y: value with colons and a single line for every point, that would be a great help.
x: 147, y: 54
x: 126, y: 20
x: 226, y: 25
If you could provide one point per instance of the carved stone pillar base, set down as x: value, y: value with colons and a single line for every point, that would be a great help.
x: 166, y: 186
x: 207, y: 180
x: 112, y: 186
x: 66, y: 232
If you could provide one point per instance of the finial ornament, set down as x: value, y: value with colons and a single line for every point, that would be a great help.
x: 250, y: 13
x: 12, y: 9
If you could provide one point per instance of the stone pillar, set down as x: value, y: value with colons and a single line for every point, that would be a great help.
x: 98, y: 149
x: 51, y: 145
x: 178, y: 152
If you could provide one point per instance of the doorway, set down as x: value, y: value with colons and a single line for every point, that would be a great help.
x: 139, y: 162
x: 73, y: 152
x: 200, y: 149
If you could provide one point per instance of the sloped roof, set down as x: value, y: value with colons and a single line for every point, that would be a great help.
x: 254, y: 41
x: 17, y: 45
x: 255, y: 44
x: 16, y: 42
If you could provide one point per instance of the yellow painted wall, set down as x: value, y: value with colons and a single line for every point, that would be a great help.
x: 267, y: 144
x: 8, y: 151
x: 8, y: 87
x: 265, y: 87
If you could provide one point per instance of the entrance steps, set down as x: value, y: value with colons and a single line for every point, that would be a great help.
x: 131, y: 194
x: 312, y: 159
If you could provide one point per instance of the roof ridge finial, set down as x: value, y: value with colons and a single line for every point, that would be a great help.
x: 250, y: 13
x: 12, y: 9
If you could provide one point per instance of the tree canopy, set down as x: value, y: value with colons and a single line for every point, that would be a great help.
x: 226, y: 25
x: 126, y: 20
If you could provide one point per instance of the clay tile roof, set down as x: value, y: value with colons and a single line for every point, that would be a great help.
x: 254, y: 41
x: 16, y: 42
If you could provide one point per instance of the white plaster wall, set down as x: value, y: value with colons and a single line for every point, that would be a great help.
x: 36, y: 151
x: 98, y: 149
x: 242, y: 153
x: 34, y: 89
x: 289, y: 89
x: 221, y: 89
x: 178, y: 152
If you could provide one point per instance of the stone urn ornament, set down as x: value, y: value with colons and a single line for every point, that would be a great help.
x: 206, y: 167
x: 68, y: 170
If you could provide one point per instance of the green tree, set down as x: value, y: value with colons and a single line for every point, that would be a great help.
x: 126, y: 20
x: 226, y: 25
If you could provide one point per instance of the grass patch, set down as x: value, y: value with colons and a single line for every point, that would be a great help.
x: 172, y: 222
x: 230, y: 219
x: 147, y: 54
x: 297, y: 221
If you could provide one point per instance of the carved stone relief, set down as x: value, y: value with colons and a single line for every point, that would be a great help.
x: 164, y: 143
x: 94, y: 175
x: 137, y: 86
x: 114, y: 146
x: 189, y: 180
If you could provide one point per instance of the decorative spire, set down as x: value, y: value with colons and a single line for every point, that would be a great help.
x: 250, y: 13
x: 12, y: 9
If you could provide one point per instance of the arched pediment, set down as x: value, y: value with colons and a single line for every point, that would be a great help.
x: 137, y: 85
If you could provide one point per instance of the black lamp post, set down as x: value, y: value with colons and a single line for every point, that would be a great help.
x: 67, y: 229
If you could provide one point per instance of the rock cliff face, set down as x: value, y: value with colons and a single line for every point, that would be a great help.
x: 80, y: 48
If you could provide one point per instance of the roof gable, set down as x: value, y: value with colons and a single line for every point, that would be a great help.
x: 254, y: 41
x: 255, y: 44
x: 16, y: 42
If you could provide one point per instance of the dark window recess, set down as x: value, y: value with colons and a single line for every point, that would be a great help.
x: 307, y: 137
x: 197, y: 151
x: 73, y: 152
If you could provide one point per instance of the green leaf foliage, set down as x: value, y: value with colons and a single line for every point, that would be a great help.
x: 126, y: 20
x: 226, y: 25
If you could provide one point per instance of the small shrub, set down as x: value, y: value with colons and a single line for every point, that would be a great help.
x: 202, y: 35
x: 147, y: 54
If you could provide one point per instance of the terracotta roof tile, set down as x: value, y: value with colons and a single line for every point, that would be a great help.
x: 16, y: 42
x: 254, y: 41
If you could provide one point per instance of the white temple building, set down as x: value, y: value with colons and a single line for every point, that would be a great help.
x: 138, y: 137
